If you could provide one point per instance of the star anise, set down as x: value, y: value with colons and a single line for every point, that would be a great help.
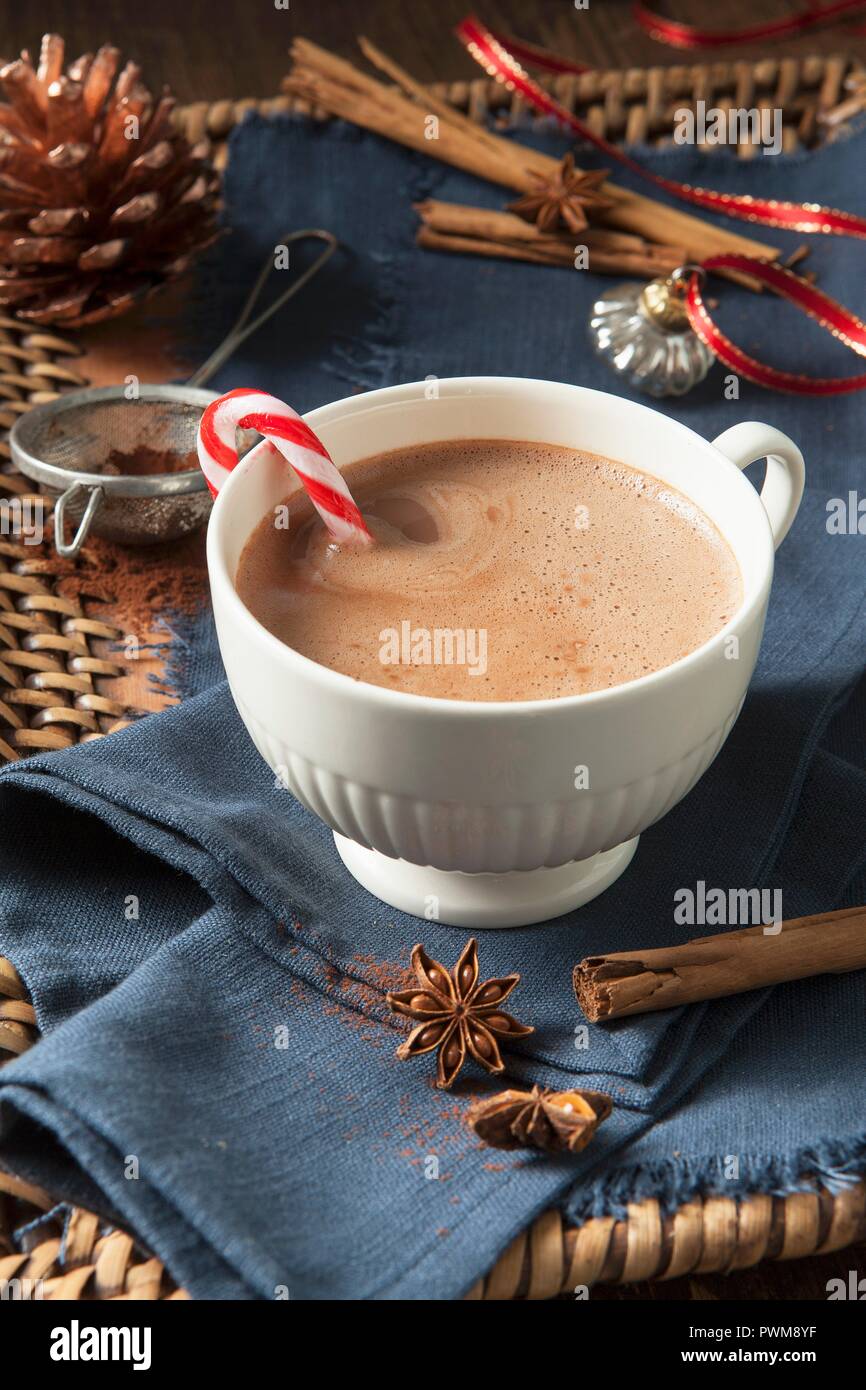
x: 556, y: 1121
x: 457, y: 1014
x: 564, y: 200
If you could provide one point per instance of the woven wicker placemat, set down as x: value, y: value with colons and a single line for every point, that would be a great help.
x: 56, y: 658
x: 56, y: 674
x: 632, y: 105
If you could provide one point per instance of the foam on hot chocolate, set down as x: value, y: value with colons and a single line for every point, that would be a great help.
x: 544, y: 571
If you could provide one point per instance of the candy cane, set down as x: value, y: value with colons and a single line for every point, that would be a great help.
x: 283, y: 427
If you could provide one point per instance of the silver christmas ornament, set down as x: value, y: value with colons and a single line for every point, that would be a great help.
x: 644, y: 335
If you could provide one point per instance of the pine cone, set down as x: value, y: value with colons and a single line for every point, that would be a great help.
x: 101, y: 200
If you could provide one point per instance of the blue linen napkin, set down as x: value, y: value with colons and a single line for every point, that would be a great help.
x: 218, y: 1068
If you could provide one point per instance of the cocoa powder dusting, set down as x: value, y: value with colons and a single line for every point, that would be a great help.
x: 427, y: 1124
x: 144, y: 583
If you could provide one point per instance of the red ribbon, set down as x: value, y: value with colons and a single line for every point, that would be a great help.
x: 534, y: 56
x: 826, y: 311
x: 498, y: 62
x: 677, y: 35
x: 688, y: 36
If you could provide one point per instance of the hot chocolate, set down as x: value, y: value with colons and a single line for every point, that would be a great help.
x: 502, y: 570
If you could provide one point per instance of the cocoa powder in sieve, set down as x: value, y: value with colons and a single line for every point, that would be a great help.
x: 144, y: 462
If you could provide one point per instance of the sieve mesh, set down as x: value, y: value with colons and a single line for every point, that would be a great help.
x: 82, y: 437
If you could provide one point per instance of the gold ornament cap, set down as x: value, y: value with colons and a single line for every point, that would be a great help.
x: 664, y: 301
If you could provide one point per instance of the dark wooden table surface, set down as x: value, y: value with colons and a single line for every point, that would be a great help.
x: 206, y: 49
x: 217, y: 48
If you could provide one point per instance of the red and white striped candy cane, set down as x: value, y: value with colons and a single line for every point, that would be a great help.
x: 283, y: 427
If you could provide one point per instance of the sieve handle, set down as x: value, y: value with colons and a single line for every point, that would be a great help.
x: 242, y: 328
x: 94, y: 502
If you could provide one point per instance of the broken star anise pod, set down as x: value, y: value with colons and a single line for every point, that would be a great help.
x: 555, y: 1121
x: 564, y: 200
x: 456, y: 1014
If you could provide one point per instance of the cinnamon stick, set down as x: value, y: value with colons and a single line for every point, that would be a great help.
x: 338, y: 87
x: 488, y: 232
x: 710, y: 967
x: 339, y: 79
x: 507, y: 226
x: 404, y: 123
x: 429, y: 100
x: 650, y: 264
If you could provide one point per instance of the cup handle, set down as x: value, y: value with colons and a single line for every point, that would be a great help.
x: 786, y: 472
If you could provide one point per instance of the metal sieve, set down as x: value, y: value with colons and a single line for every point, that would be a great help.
x: 66, y: 446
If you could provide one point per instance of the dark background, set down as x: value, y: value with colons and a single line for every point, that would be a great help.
x: 208, y: 49
x: 205, y: 49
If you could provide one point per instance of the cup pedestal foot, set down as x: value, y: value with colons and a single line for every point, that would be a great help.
x: 516, y: 899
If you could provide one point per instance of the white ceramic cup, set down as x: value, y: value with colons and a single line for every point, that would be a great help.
x: 467, y: 811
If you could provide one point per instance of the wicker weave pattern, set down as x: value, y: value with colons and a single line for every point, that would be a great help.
x: 716, y: 1235
x: 635, y: 105
x: 50, y: 673
x: 81, y: 1262
x: 34, y: 367
x: 53, y: 663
